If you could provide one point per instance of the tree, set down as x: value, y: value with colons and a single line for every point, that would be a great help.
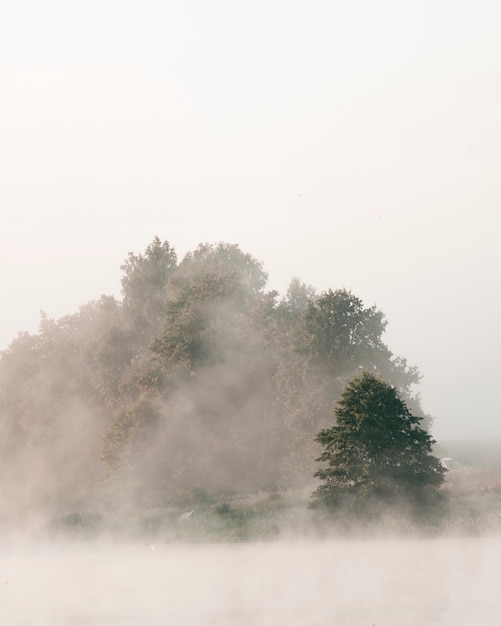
x: 130, y: 429
x: 197, y: 378
x: 190, y: 338
x: 214, y: 367
x: 342, y: 334
x: 377, y: 454
x: 144, y: 288
x: 222, y: 260
x: 327, y: 339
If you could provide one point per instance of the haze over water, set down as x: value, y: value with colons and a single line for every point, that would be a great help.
x: 385, y: 582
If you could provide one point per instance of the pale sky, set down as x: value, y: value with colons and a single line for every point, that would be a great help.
x: 350, y: 144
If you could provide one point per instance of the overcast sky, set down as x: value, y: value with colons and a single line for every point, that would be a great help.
x: 350, y: 144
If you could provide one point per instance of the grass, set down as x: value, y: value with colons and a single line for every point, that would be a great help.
x: 474, y: 507
x: 474, y: 500
x: 195, y: 517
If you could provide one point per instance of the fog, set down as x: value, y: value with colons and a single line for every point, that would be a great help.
x: 177, y: 489
x: 350, y: 144
x: 354, y: 582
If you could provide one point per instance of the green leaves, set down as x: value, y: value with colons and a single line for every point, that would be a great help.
x: 342, y: 333
x: 232, y: 381
x: 377, y: 451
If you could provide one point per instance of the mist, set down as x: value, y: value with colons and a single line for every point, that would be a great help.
x: 159, y: 455
x: 200, y: 390
x: 451, y: 582
x: 158, y: 419
x: 198, y: 381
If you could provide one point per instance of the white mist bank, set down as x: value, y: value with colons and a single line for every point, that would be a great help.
x: 451, y: 582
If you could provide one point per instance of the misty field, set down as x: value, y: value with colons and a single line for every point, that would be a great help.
x: 322, y: 583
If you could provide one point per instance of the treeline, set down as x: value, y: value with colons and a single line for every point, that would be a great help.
x: 199, y: 378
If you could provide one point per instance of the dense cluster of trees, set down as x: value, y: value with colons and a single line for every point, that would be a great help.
x: 198, y: 378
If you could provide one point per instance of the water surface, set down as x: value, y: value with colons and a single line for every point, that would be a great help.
x: 328, y: 583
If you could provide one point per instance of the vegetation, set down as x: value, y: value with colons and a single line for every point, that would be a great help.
x: 377, y: 455
x: 197, y: 379
x: 474, y: 497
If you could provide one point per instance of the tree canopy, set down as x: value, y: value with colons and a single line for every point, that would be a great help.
x: 377, y: 454
x: 198, y: 378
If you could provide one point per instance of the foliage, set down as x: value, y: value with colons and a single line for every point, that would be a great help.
x: 329, y: 338
x: 190, y: 337
x: 198, y: 378
x: 377, y: 454
x: 144, y: 285
x: 340, y: 333
x: 224, y: 261
x: 79, y: 525
x: 130, y: 429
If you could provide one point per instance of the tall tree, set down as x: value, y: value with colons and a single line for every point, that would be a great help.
x: 377, y: 454
x: 341, y: 334
x: 214, y: 366
x: 144, y: 288
x: 221, y: 260
x: 57, y: 389
x: 213, y: 369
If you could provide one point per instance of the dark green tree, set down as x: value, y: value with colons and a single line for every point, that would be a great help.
x: 377, y: 455
x: 341, y: 334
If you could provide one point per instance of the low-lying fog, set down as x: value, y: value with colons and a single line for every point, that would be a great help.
x: 336, y: 582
